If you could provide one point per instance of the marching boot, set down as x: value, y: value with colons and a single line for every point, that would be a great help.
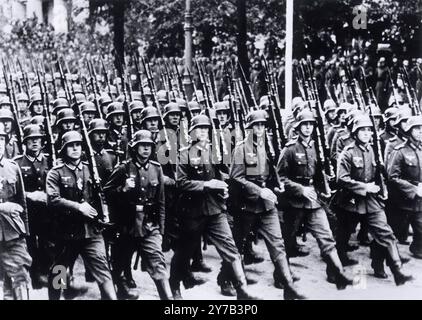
x: 124, y: 292
x: 335, y: 271
x: 200, y: 266
x: 378, y: 256
x: 7, y: 288
x: 227, y: 289
x: 175, y: 290
x: 250, y: 255
x: 223, y: 280
x: 290, y: 292
x: 129, y: 278
x: 73, y: 290
x: 240, y: 282
x: 107, y: 290
x: 345, y: 260
x: 21, y: 292
x: 163, y: 289
x: 191, y: 281
x: 394, y: 262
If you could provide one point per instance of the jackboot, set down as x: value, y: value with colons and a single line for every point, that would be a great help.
x: 175, y: 290
x: 73, y: 289
x: 191, y: 281
x: 163, y: 289
x: 107, y: 290
x: 290, y: 291
x: 240, y: 282
x: 378, y: 254
x: 200, y: 266
x: 250, y: 255
x: 335, y: 271
x: 394, y: 262
x: 124, y: 292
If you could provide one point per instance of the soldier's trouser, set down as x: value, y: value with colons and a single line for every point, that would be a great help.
x: 15, y: 262
x: 217, y: 230
x: 399, y: 221
x: 346, y: 226
x: 316, y: 222
x: 267, y: 225
x: 416, y: 222
x: 377, y: 226
x: 42, y: 253
x: 121, y: 254
x: 92, y: 251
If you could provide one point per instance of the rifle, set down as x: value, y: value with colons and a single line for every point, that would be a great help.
x: 47, y: 119
x: 410, y: 92
x: 94, y: 86
x: 248, y: 85
x: 394, y: 86
x: 103, y: 219
x: 139, y: 77
x: 209, y: 106
x: 122, y: 73
x: 151, y: 85
x: 237, y: 116
x: 64, y: 82
x: 380, y: 167
x: 105, y: 74
x: 193, y: 84
x: 180, y: 81
x: 10, y: 91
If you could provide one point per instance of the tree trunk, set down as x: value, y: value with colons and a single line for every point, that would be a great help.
x: 242, y: 50
x: 118, y: 12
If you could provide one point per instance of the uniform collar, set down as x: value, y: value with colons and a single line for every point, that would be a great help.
x: 414, y: 145
x: 101, y: 152
x: 145, y: 165
x: 72, y: 167
x: 33, y: 159
x: 304, y: 143
x: 363, y: 147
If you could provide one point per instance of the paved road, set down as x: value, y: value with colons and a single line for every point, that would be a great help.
x: 311, y: 269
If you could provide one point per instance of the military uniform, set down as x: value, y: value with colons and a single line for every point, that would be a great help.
x: 404, y: 172
x: 34, y: 172
x: 117, y: 141
x: 14, y: 256
x: 12, y: 148
x: 68, y: 186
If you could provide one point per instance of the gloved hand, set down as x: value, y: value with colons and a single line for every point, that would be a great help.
x: 169, y: 181
x: 267, y: 195
x: 11, y: 208
x: 279, y: 191
x: 215, y: 184
x: 87, y: 210
x: 37, y: 196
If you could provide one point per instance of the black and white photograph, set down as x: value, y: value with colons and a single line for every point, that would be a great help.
x: 213, y: 150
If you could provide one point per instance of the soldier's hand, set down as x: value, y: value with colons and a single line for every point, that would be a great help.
x: 268, y: 195
x: 279, y: 191
x: 169, y: 181
x: 129, y: 184
x: 215, y: 184
x: 419, y: 190
x: 372, y: 188
x: 11, y: 208
x: 87, y: 210
x: 310, y: 193
x: 37, y: 196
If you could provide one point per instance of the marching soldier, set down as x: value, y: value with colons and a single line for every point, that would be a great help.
x: 135, y: 108
x: 117, y: 135
x: 139, y: 186
x: 404, y: 172
x: 12, y: 144
x: 400, y: 137
x: 358, y: 195
x: 203, y: 211
x: 69, y: 193
x: 14, y: 257
x: 194, y: 107
x: 34, y: 165
x: 297, y: 166
x: 65, y: 122
x: 390, y: 116
x: 252, y: 172
x: 89, y: 112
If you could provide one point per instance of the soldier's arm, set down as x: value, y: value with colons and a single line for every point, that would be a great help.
x: 20, y: 198
x: 291, y: 187
x: 344, y: 179
x: 395, y: 176
x: 54, y: 199
x: 238, y: 174
x: 116, y: 182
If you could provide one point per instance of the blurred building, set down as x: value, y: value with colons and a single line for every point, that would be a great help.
x: 54, y: 12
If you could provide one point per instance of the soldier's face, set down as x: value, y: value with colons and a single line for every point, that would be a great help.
x: 7, y: 126
x: 88, y: 116
x: 37, y: 107
x: 99, y: 137
x: 174, y: 119
x: 222, y: 117
x: 151, y: 124
x: 416, y: 133
x: 22, y: 106
x: 364, y: 134
x: 144, y: 151
x: 331, y: 115
x: 2, y: 145
x: 136, y: 116
x: 391, y: 122
x: 403, y: 124
x: 195, y: 113
x: 67, y: 125
x: 259, y: 129
x: 33, y: 145
x: 201, y: 133
x: 306, y: 129
x: 74, y: 150
x: 342, y: 116
x: 378, y: 121
x: 117, y: 120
